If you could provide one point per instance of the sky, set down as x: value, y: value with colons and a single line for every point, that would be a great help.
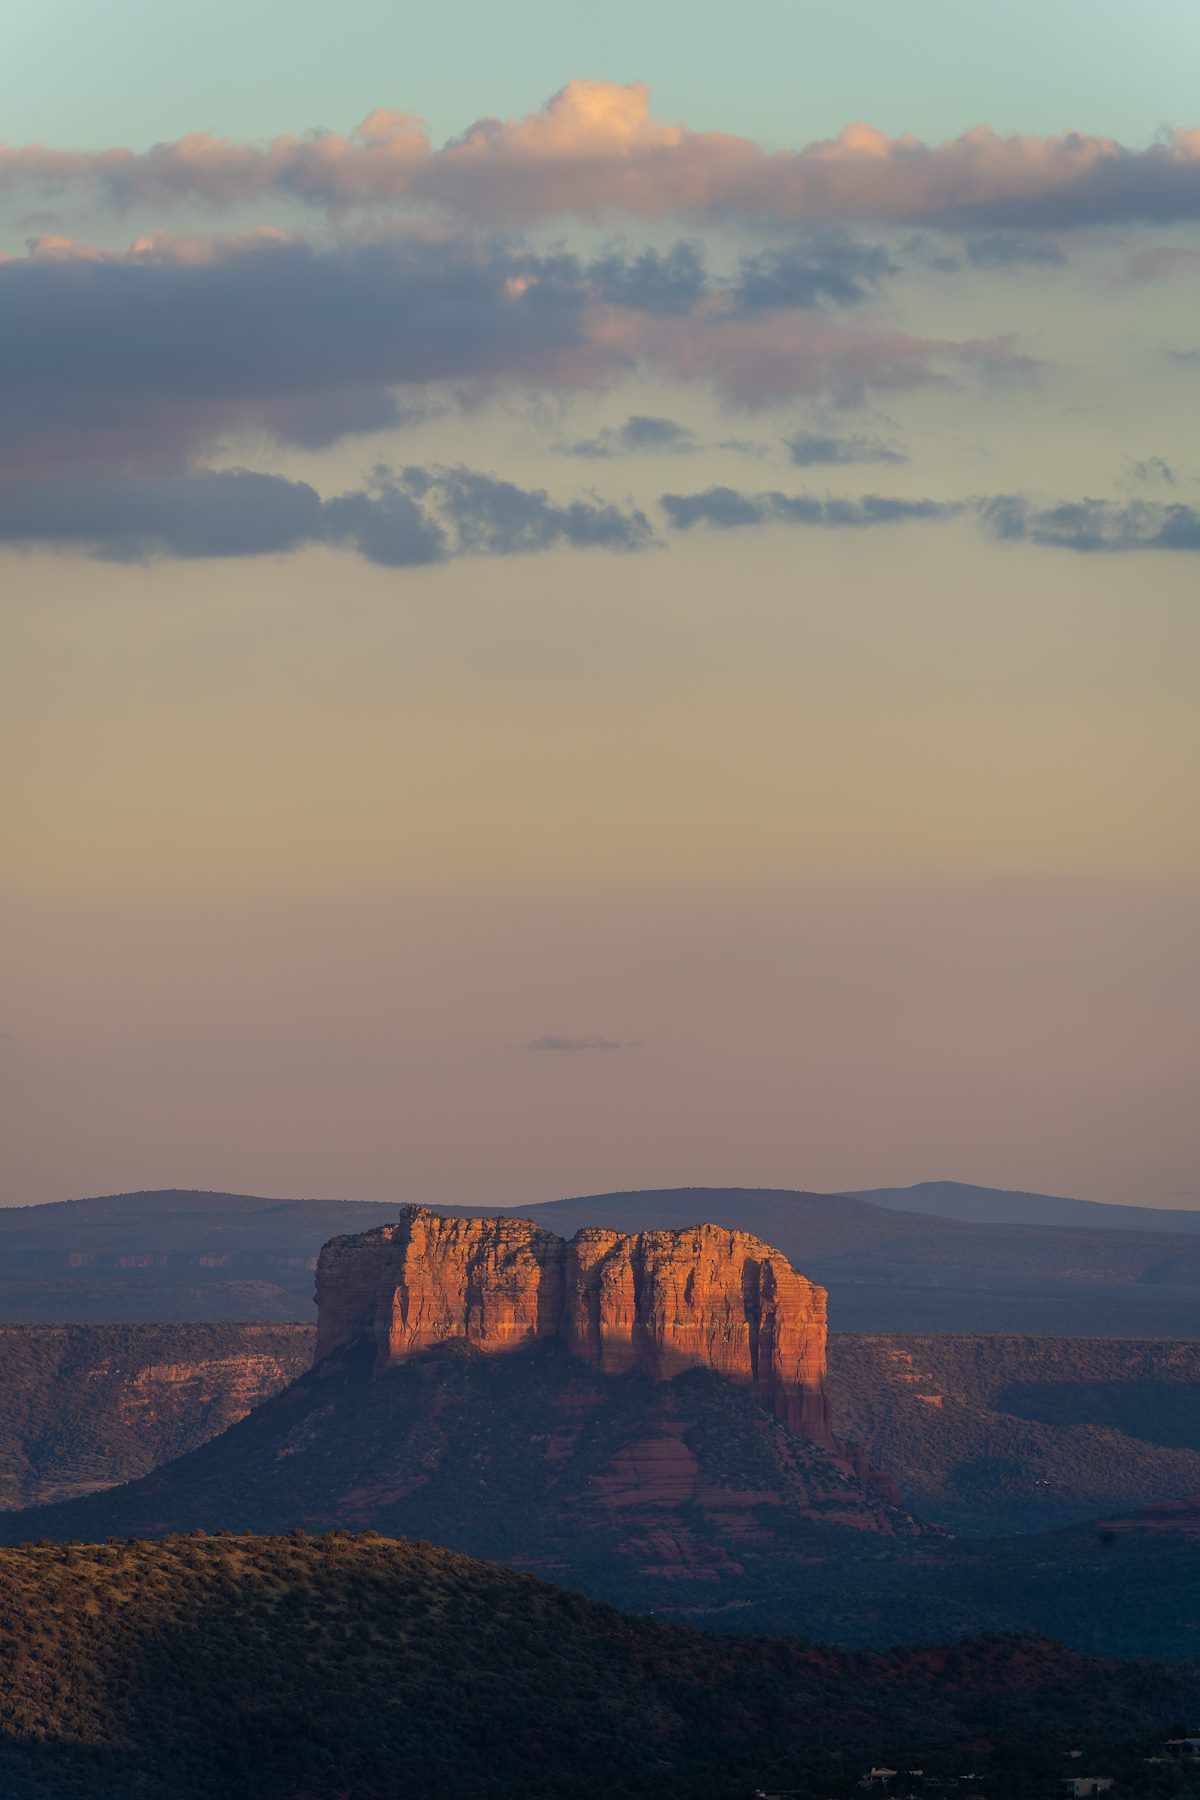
x: 599, y: 601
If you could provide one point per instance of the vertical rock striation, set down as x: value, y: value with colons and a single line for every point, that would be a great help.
x: 656, y: 1301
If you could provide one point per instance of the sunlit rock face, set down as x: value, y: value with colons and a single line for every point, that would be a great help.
x: 657, y: 1302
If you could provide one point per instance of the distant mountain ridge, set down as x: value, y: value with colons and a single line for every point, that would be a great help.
x: 1012, y: 1206
x: 177, y: 1255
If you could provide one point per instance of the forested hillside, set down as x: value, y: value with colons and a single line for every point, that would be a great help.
x: 992, y: 1434
x: 232, y: 1668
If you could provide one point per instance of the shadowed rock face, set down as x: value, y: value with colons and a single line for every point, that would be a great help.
x: 657, y: 1302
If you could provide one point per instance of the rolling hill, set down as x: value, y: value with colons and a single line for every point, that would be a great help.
x: 233, y: 1668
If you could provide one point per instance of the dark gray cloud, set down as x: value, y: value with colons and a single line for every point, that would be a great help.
x: 1087, y: 526
x: 235, y: 512
x: 153, y: 354
x: 662, y: 282
x: 1092, y: 526
x: 422, y: 516
x: 385, y: 525
x: 491, y: 517
x: 726, y: 508
x: 810, y: 449
x: 552, y: 1042
x: 639, y: 435
x: 829, y: 272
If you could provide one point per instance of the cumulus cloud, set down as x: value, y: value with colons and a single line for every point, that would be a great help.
x: 417, y: 517
x: 595, y: 150
x: 809, y: 449
x: 639, y: 435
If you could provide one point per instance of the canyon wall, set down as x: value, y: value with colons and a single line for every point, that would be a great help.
x: 87, y: 1406
x: 654, y: 1301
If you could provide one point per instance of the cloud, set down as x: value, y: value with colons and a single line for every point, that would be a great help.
x: 833, y: 273
x: 1093, y: 526
x: 764, y: 358
x: 809, y: 449
x: 422, y: 516
x: 1155, y: 470
x: 141, y: 361
x: 175, y: 345
x: 639, y: 435
x: 233, y: 512
x: 496, y: 518
x: 726, y: 508
x: 1088, y: 526
x: 580, y: 1043
x: 385, y: 525
x: 595, y: 150
x: 1000, y: 251
x: 671, y: 281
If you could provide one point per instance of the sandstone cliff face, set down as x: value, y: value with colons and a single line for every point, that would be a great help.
x: 655, y: 1301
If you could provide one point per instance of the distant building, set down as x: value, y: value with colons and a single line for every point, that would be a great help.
x: 1085, y: 1787
x: 1186, y: 1748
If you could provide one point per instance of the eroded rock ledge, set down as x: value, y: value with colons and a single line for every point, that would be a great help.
x: 656, y: 1301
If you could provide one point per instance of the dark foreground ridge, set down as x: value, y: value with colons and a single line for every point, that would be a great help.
x: 240, y: 1668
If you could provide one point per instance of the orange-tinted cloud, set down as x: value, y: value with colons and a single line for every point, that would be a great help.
x: 595, y: 151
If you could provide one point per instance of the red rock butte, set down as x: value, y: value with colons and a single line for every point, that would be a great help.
x: 658, y: 1302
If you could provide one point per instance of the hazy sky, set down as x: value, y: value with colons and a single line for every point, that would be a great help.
x: 598, y: 601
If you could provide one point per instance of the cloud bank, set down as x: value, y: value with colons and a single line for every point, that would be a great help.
x: 180, y: 344
x: 403, y: 520
x: 595, y: 150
